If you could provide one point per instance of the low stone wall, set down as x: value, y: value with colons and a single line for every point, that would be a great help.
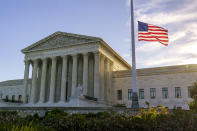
x: 24, y: 111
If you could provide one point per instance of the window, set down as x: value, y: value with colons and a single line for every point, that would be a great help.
x: 165, y: 93
x: 177, y: 92
x: 189, y: 95
x: 13, y: 98
x: 6, y: 98
x: 152, y: 93
x: 141, y: 93
x: 27, y: 99
x: 20, y: 98
x: 130, y: 94
x: 119, y: 94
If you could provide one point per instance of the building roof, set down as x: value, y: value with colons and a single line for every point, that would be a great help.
x: 158, y: 70
x: 64, y: 39
x: 60, y: 39
x: 12, y: 82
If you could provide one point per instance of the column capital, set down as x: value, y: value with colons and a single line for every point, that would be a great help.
x: 35, y: 61
x: 96, y: 53
x: 85, y: 53
x: 54, y: 58
x: 27, y: 62
x: 64, y: 56
x: 44, y: 58
x: 74, y: 55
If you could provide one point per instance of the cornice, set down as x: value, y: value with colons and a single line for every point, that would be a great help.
x: 115, y: 53
x: 71, y: 45
x: 157, y: 71
x: 74, y: 49
x: 90, y: 38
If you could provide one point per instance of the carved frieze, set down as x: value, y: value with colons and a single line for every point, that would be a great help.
x: 80, y: 49
x: 60, y: 41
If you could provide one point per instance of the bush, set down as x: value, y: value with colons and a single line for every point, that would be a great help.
x: 152, y: 119
x: 119, y: 105
x: 193, y: 93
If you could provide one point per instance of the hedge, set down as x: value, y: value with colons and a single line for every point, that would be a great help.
x: 57, y: 120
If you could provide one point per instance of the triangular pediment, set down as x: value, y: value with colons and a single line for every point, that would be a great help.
x: 60, y: 39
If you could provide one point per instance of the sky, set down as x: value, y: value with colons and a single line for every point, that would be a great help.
x: 24, y: 22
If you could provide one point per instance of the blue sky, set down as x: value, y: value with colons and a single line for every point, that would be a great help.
x: 23, y: 22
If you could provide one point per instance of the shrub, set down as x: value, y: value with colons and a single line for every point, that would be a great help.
x: 152, y: 119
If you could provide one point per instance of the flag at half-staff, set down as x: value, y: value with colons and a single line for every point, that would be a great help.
x: 148, y: 32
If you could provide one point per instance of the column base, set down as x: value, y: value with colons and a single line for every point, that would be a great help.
x: 61, y: 102
x: 40, y: 102
x: 135, y: 102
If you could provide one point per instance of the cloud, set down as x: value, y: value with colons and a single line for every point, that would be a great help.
x: 128, y: 3
x: 179, y: 16
x: 163, y: 15
x: 174, y: 55
x: 177, y: 35
x: 189, y: 48
x: 148, y: 47
x: 166, y: 18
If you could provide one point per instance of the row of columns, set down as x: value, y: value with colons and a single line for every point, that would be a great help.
x: 106, y: 90
x: 63, y: 78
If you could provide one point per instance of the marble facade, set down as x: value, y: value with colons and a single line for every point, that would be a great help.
x: 63, y: 64
x: 63, y: 61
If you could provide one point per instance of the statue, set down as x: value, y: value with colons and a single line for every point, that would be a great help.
x: 78, y: 92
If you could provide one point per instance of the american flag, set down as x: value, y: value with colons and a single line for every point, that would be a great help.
x: 148, y: 32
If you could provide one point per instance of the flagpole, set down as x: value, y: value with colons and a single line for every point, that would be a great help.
x: 135, y: 103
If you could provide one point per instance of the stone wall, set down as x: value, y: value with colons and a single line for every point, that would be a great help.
x: 170, y: 77
x: 24, y: 111
x: 12, y: 88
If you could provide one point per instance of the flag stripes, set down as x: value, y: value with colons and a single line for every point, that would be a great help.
x: 148, y: 32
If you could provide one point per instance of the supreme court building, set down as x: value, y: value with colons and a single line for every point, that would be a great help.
x: 68, y: 70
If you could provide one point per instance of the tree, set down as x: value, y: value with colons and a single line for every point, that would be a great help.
x: 193, y: 90
x: 193, y: 94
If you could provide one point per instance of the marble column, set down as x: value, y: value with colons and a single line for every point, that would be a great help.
x: 102, y: 92
x: 53, y: 76
x: 43, y: 81
x: 26, y: 78
x: 96, y: 74
x: 34, y: 81
x: 85, y: 73
x: 108, y: 81
x: 111, y: 92
x: 64, y: 78
x: 74, y: 74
